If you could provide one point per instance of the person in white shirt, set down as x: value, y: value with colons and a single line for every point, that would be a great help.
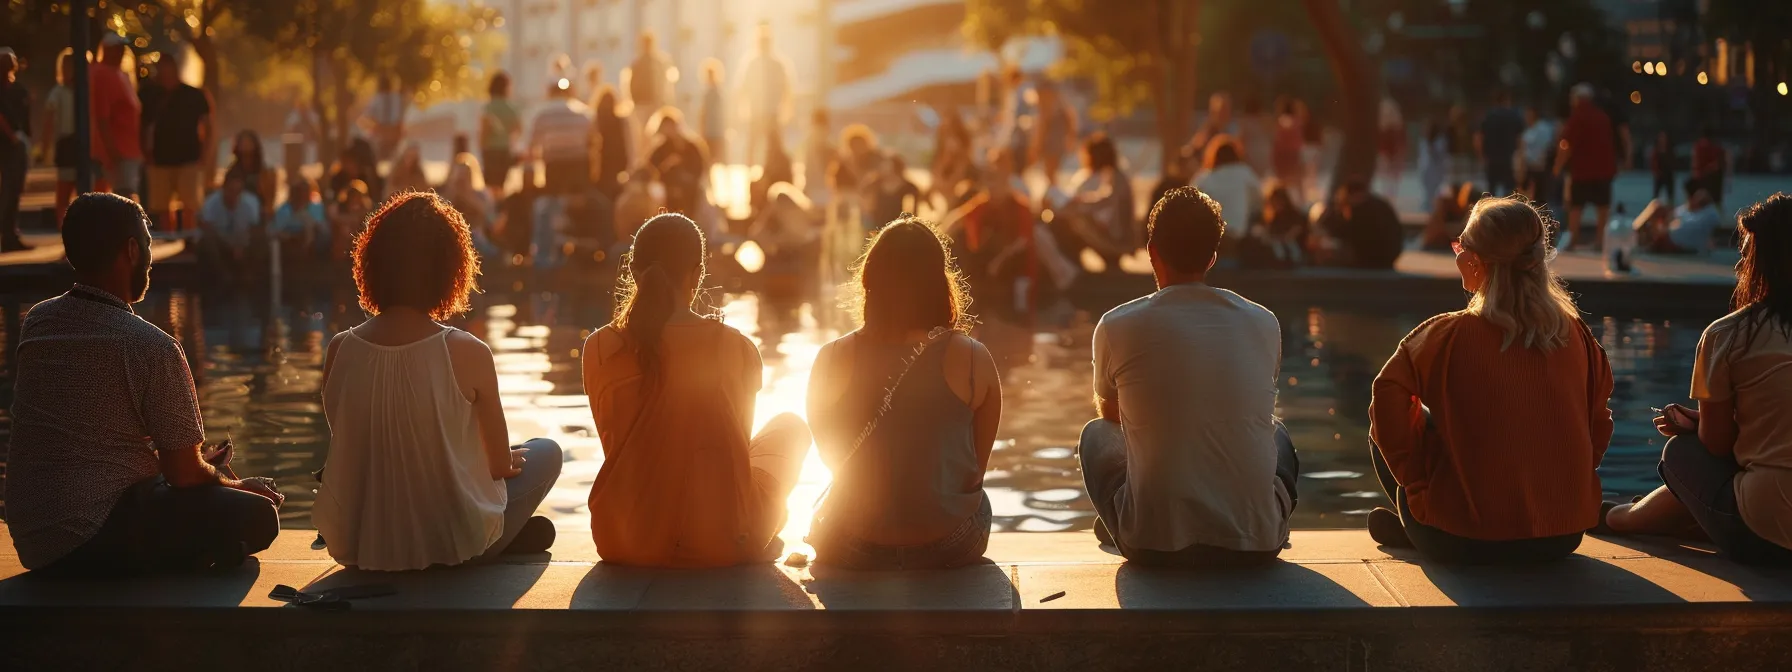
x: 1534, y: 146
x: 765, y: 93
x: 560, y: 136
x: 649, y: 86
x: 1188, y: 465
x: 1229, y: 181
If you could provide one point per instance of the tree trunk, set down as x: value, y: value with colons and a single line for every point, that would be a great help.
x: 1175, y: 55
x: 1359, y: 89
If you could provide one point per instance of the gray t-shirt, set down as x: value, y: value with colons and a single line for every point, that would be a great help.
x: 1194, y: 369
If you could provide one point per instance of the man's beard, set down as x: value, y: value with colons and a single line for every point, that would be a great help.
x: 139, y: 281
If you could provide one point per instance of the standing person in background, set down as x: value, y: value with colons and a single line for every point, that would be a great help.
x: 1709, y: 163
x: 952, y: 163
x: 649, y: 85
x: 560, y: 136
x: 1054, y: 131
x: 500, y: 126
x: 15, y: 150
x: 819, y: 155
x: 1011, y: 126
x: 178, y: 118
x: 1590, y: 157
x: 1661, y: 166
x: 302, y: 124
x: 611, y: 139
x: 1391, y: 148
x: 58, y: 135
x: 1539, y: 144
x: 384, y: 119
x: 765, y: 86
x: 247, y: 160
x: 1434, y: 162
x: 712, y: 116
x: 1496, y: 144
x: 594, y: 79
x: 117, y: 117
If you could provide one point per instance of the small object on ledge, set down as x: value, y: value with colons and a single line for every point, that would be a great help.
x: 1051, y: 597
x: 796, y: 559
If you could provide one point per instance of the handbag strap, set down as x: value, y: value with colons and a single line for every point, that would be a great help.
x: 883, y: 407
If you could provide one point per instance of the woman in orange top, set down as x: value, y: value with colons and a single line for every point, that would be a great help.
x: 684, y: 482
x: 1487, y: 423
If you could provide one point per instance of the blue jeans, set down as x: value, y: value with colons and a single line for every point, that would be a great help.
x: 1706, y: 484
x: 524, y: 493
x: 1102, y: 454
x: 963, y: 546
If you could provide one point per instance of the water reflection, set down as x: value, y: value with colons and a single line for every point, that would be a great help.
x: 257, y: 363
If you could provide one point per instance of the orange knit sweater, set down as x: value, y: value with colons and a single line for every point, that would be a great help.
x: 1515, y: 435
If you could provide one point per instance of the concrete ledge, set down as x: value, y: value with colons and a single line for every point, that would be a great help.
x: 1336, y: 602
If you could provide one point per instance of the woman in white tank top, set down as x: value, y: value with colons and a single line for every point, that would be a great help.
x: 420, y: 470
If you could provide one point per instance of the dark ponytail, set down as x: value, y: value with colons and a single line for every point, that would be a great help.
x: 666, y: 247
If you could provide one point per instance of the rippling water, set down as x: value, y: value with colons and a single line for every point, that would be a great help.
x: 257, y: 368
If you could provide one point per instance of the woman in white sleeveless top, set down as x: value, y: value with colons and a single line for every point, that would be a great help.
x: 420, y: 471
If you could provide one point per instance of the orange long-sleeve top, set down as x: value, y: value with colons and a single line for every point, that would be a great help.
x: 1514, y: 435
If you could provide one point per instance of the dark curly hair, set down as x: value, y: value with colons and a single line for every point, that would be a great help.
x: 416, y: 251
x: 907, y: 281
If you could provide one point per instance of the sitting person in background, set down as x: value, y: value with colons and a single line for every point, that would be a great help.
x: 893, y: 194
x: 1279, y: 240
x: 1230, y: 182
x: 1692, y: 226
x: 787, y: 229
x: 1099, y: 215
x: 777, y: 169
x: 108, y: 472
x: 642, y: 197
x: 301, y: 223
x: 685, y: 482
x: 1487, y: 424
x: 347, y: 217
x: 1448, y: 217
x: 406, y: 173
x: 1188, y: 465
x: 356, y: 164
x: 229, y: 223
x: 905, y: 412
x: 1728, y: 467
x: 465, y: 188
x: 681, y: 161
x: 259, y: 178
x: 1360, y: 229
x: 996, y: 234
x: 421, y: 471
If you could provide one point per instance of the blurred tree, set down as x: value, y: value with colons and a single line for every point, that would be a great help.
x: 1147, y: 52
x: 347, y: 45
x: 1137, y: 52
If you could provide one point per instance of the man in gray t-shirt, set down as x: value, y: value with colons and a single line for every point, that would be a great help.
x: 1187, y: 464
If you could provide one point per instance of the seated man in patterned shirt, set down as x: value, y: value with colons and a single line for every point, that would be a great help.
x: 106, y: 472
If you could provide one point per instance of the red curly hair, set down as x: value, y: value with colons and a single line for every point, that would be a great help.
x: 416, y: 251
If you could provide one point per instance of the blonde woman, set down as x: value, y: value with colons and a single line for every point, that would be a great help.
x: 1487, y: 423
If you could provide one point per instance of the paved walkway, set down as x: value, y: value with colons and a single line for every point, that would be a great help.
x: 1322, y: 569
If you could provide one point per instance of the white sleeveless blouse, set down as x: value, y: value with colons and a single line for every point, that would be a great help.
x: 406, y: 484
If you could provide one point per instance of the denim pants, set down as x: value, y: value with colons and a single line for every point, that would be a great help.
x: 524, y: 493
x: 1706, y: 484
x: 1444, y: 547
x: 963, y: 546
x: 1102, y: 453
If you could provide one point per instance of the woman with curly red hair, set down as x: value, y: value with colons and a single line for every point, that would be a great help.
x: 421, y: 471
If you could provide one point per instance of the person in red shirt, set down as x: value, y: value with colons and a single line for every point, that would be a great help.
x: 996, y: 231
x: 1708, y: 162
x: 1589, y: 153
x: 117, y: 118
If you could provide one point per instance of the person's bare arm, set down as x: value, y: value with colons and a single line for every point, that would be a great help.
x: 1717, y: 426
x: 986, y: 401
x: 821, y: 405
x: 477, y: 374
x: 1563, y: 151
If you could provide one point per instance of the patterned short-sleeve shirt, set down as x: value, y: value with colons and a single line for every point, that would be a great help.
x: 98, y: 390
